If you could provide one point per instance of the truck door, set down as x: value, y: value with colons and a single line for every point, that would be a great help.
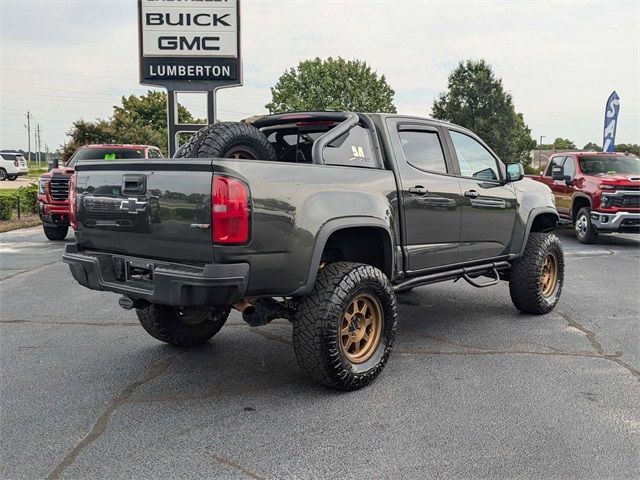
x: 429, y: 193
x: 488, y: 205
x: 562, y: 190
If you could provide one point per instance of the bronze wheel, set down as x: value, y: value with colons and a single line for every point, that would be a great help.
x: 361, y: 328
x: 536, y: 277
x: 549, y: 275
x: 343, y: 331
x: 241, y: 153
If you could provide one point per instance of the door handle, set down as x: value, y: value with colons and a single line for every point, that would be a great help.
x: 418, y: 190
x: 471, y: 194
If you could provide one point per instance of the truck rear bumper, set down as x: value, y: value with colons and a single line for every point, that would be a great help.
x: 168, y: 283
x: 617, y: 222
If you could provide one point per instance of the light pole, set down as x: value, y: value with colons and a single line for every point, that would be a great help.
x: 540, y: 153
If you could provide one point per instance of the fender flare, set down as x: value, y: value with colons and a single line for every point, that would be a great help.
x: 338, y: 224
x: 577, y: 196
x: 532, y: 216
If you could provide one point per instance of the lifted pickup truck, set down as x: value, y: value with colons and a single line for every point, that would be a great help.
x: 596, y: 192
x: 320, y: 218
x: 53, y: 186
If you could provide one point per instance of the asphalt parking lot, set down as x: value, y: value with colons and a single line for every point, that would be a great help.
x: 473, y: 389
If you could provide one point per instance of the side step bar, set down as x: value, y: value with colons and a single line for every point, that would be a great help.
x: 465, y: 273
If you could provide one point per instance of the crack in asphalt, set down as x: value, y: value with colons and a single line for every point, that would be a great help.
x: 231, y: 464
x: 103, y: 420
x: 597, y: 346
x: 89, y: 324
x: 33, y: 270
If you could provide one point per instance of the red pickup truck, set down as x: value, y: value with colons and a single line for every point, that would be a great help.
x: 596, y: 192
x: 53, y: 187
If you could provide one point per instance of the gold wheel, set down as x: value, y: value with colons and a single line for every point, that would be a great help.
x: 549, y: 275
x: 361, y: 328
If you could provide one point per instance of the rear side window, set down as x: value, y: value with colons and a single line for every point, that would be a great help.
x: 353, y: 149
x: 423, y: 150
x: 475, y: 160
x: 9, y: 157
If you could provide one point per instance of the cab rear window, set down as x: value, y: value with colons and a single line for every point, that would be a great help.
x: 108, y: 154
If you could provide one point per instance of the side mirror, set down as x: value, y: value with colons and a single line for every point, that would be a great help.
x: 515, y: 172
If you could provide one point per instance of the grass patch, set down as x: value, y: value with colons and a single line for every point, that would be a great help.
x: 27, y: 220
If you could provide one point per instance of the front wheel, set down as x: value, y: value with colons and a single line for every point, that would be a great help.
x: 536, y: 278
x: 585, y: 233
x: 182, y: 327
x: 56, y: 233
x: 3, y: 174
x: 343, y: 331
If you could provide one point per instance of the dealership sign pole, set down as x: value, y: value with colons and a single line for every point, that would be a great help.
x: 189, y: 46
x: 612, y: 110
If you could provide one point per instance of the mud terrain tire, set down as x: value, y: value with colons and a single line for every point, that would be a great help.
x: 228, y: 140
x: 346, y: 298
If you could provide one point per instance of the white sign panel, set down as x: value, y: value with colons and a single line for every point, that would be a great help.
x: 190, y: 41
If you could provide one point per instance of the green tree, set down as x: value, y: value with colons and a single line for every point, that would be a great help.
x: 628, y: 147
x: 592, y: 146
x: 476, y: 99
x: 331, y: 84
x: 563, y: 144
x: 140, y: 120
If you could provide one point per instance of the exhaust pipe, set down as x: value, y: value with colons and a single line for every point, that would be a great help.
x: 262, y: 311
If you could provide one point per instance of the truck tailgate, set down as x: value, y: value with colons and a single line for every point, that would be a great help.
x: 156, y: 208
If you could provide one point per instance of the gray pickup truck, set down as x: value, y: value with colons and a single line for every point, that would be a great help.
x: 320, y: 218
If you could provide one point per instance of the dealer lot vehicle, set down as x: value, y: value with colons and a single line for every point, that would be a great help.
x: 12, y: 166
x: 319, y: 218
x: 53, y: 187
x: 596, y: 192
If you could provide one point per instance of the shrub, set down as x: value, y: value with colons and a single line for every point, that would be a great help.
x: 7, y: 206
x: 29, y: 198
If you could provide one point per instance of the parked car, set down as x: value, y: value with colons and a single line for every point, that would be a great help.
x: 596, y: 192
x: 53, y: 187
x: 12, y: 166
x: 349, y: 210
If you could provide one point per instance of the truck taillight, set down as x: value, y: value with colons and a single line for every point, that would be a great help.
x: 73, y: 202
x: 230, y: 211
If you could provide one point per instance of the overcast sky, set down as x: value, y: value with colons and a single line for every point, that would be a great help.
x: 70, y: 59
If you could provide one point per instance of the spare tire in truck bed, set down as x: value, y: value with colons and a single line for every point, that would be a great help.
x: 228, y: 140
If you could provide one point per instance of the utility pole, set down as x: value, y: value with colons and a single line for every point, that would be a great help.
x: 28, y: 126
x: 38, y: 132
x: 540, y: 155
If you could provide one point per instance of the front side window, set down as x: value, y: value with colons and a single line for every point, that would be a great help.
x: 554, y: 162
x: 353, y: 149
x: 475, y: 160
x: 423, y: 150
x: 570, y: 167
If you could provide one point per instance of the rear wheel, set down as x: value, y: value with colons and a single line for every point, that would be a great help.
x: 536, y: 278
x: 56, y: 233
x: 343, y: 331
x: 12, y: 178
x: 182, y: 327
x: 585, y: 233
x: 228, y: 140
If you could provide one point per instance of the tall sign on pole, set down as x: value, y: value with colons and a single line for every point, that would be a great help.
x: 612, y: 110
x: 189, y: 46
